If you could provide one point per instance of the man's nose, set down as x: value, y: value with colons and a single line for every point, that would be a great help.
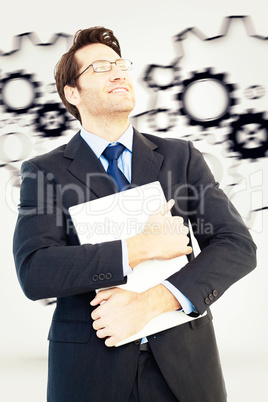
x: 117, y: 74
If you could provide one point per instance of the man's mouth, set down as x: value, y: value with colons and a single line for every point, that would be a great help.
x: 119, y: 90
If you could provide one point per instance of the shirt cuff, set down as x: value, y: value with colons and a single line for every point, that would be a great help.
x: 126, y: 268
x: 185, y: 303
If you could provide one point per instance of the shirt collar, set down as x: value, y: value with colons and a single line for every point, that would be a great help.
x: 98, y: 144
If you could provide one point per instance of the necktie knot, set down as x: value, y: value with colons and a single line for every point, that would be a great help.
x: 113, y: 152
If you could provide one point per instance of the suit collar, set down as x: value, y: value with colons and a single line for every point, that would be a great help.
x: 146, y: 161
x: 86, y: 167
x: 98, y: 144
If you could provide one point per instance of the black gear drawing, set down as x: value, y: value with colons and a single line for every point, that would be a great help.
x: 249, y: 136
x: 254, y: 92
x: 206, y: 75
x: 16, y: 76
x: 151, y: 79
x: 18, y: 41
x: 152, y: 117
x: 156, y: 113
x: 52, y: 120
x: 224, y: 30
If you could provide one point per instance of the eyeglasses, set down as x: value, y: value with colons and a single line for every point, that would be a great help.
x: 102, y: 66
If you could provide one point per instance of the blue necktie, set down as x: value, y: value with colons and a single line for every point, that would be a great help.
x: 112, y: 153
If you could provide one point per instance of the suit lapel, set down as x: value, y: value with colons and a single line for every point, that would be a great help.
x: 86, y: 167
x: 146, y: 163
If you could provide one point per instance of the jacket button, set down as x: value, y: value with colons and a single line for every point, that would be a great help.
x: 207, y: 301
x: 101, y: 277
x: 95, y: 278
x: 211, y: 297
x: 109, y: 275
x: 215, y: 293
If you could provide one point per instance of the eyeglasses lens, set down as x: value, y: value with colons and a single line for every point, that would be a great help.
x: 102, y: 66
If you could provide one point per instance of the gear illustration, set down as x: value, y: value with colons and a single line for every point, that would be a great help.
x: 52, y: 120
x: 249, y: 136
x: 33, y: 38
x: 191, y: 70
x: 28, y: 98
x: 219, y: 88
x: 19, y: 92
x: 161, y: 77
x: 224, y: 30
x: 159, y: 120
x: 255, y: 92
x: 162, y: 119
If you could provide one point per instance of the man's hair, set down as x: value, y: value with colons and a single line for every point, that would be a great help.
x: 67, y: 69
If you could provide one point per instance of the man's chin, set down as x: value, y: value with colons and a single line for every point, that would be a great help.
x: 125, y: 107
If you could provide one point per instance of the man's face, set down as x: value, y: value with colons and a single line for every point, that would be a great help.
x: 103, y: 94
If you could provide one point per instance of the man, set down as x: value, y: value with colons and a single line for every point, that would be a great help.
x: 179, y: 364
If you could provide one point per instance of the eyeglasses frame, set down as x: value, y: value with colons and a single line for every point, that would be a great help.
x: 98, y: 72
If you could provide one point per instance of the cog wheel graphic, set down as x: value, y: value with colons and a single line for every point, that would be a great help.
x: 162, y: 119
x: 249, y: 136
x: 52, y: 120
x: 206, y: 99
x: 254, y: 92
x: 160, y: 77
x: 19, y: 92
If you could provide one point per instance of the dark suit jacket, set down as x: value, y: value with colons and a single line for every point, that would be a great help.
x: 51, y: 263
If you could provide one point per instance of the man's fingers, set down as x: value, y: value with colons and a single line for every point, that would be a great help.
x: 97, y: 299
x: 95, y: 315
x: 189, y: 250
x: 102, y: 296
x: 110, y: 341
x: 165, y: 208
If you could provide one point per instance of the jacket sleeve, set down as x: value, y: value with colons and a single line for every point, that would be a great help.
x: 48, y: 263
x: 228, y: 252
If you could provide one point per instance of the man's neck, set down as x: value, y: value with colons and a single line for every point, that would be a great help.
x: 109, y: 129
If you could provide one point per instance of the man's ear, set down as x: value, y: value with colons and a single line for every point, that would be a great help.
x: 72, y: 95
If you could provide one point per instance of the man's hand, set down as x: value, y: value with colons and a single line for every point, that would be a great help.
x: 124, y: 313
x: 163, y: 237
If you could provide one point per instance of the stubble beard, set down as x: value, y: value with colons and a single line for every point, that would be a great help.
x: 115, y: 110
x: 108, y: 110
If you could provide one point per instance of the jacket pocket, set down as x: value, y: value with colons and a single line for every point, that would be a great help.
x: 70, y: 331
